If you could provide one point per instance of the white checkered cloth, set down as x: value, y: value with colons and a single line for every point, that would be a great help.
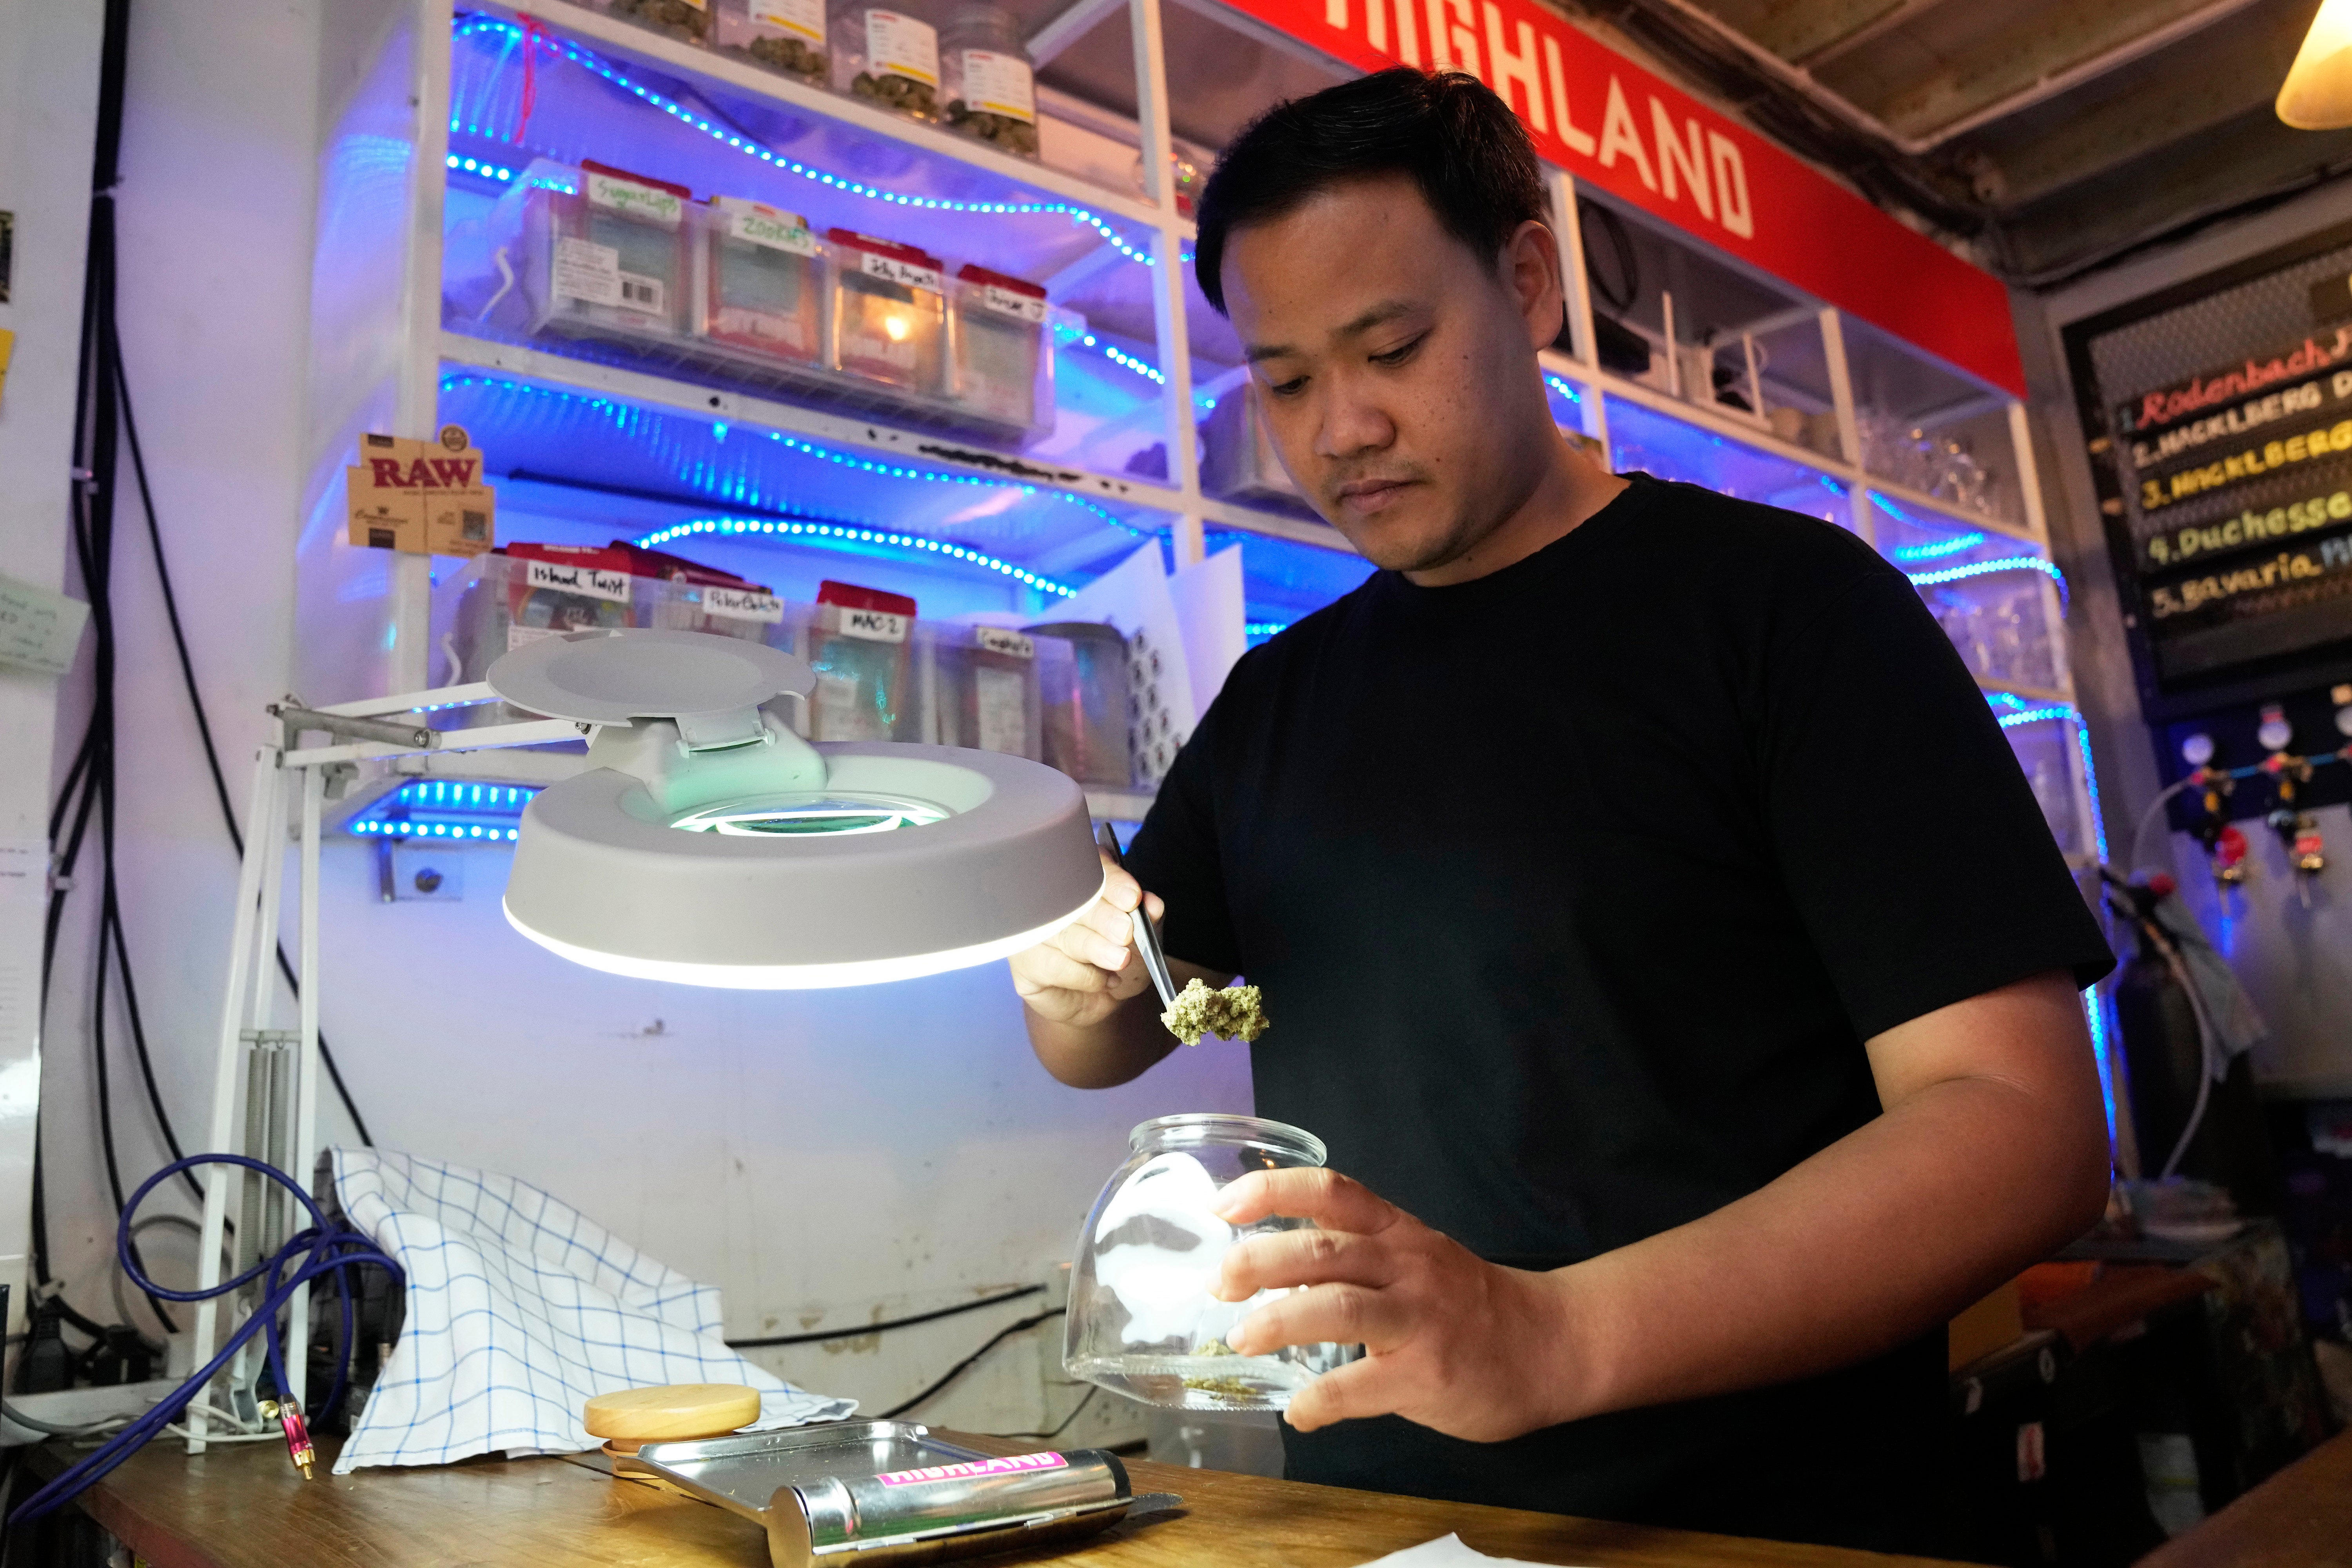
x: 519, y: 1310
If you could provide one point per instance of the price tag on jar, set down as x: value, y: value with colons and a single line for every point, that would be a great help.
x: 898, y: 44
x: 803, y: 18
x: 1006, y: 302
x: 996, y: 83
x: 905, y: 274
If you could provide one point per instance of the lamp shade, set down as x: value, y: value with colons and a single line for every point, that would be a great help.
x: 754, y: 860
x: 2317, y: 92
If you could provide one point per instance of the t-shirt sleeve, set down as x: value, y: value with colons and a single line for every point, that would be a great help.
x: 1175, y: 854
x: 1912, y: 844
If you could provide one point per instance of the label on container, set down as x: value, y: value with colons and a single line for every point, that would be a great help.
x: 874, y: 626
x: 996, y: 639
x: 905, y: 274
x: 591, y: 273
x: 568, y: 577
x: 898, y: 44
x: 1001, y: 697
x: 996, y: 83
x: 1008, y: 302
x: 1012, y: 1465
x: 648, y: 203
x: 803, y: 18
x: 742, y: 604
x: 759, y: 225
x: 735, y: 321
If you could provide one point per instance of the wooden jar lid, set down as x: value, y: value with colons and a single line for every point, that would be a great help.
x: 673, y: 1413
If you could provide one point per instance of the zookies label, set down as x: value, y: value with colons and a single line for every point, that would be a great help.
x: 972, y: 1470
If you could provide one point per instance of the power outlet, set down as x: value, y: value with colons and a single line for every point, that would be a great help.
x: 434, y: 872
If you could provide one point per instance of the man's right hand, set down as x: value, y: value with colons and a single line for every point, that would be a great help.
x: 1080, y: 976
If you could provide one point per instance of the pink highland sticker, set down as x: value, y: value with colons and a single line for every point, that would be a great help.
x: 1007, y: 1466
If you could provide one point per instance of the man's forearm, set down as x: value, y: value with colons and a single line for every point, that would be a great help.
x: 1102, y: 1055
x: 1878, y: 1236
x: 1119, y: 1049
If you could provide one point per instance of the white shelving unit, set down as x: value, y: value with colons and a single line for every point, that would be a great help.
x: 440, y: 102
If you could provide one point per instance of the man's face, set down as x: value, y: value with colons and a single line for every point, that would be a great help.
x: 1394, y: 368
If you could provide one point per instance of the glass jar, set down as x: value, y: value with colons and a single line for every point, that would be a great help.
x: 786, y: 37
x: 1141, y: 1319
x: 888, y: 56
x: 688, y: 21
x: 986, y: 80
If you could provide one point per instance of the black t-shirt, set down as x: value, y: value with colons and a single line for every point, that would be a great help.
x: 1574, y: 892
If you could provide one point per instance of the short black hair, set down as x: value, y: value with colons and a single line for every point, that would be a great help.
x: 1464, y: 149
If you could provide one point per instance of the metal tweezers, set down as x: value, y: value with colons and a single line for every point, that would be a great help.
x: 1147, y: 937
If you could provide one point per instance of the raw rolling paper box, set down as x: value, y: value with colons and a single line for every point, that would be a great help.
x: 426, y: 498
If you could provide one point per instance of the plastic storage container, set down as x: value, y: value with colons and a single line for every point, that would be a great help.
x: 859, y: 642
x: 1238, y: 460
x: 982, y: 688
x: 989, y: 91
x: 1001, y: 365
x: 889, y: 313
x: 688, y: 21
x: 589, y: 252
x: 888, y: 56
x: 1082, y: 692
x: 787, y: 37
x: 1141, y: 1319
x: 514, y: 596
x: 762, y: 281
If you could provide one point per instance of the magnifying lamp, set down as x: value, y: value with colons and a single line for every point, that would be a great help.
x: 708, y: 844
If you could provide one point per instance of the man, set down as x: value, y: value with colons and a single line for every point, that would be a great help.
x: 1651, y: 917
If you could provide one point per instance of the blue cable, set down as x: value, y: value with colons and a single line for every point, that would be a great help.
x: 331, y: 1248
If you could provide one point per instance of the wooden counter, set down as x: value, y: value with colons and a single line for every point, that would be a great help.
x: 245, y: 1507
x: 2299, y: 1518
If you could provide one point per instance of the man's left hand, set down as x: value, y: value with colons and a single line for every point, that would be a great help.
x: 1452, y: 1341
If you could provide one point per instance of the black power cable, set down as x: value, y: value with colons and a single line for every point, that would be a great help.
x: 205, y: 733
x: 969, y: 1361
x: 861, y: 1330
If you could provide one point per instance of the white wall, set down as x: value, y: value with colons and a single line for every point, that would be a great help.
x: 826, y: 1159
x: 48, y: 98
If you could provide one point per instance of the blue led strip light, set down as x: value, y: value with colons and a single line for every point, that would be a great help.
x: 481, y: 167
x: 1981, y: 568
x: 2011, y: 711
x: 1938, y: 550
x: 446, y: 809
x: 915, y: 542
x: 1265, y: 628
x: 622, y: 414
x: 750, y: 148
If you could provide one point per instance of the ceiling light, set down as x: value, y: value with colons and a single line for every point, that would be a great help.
x: 2317, y: 93
x: 708, y: 844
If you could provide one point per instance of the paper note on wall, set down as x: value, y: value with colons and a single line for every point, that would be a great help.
x: 39, y: 628
x: 1208, y: 597
x: 1133, y: 596
x: 7, y: 351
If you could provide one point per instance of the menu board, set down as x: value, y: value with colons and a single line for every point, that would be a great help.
x: 2219, y: 420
